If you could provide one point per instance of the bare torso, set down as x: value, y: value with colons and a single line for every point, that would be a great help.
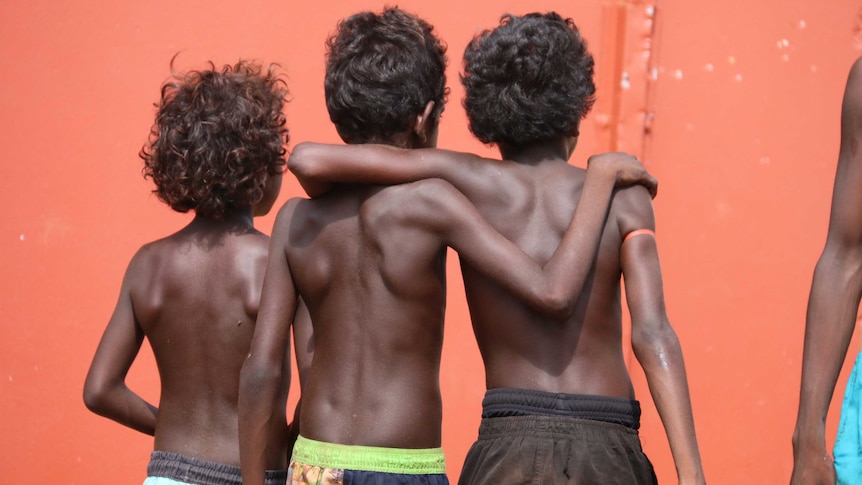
x: 374, y: 284
x: 532, y: 206
x: 195, y: 296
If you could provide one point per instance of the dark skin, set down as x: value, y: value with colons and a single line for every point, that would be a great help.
x: 530, y: 198
x: 369, y: 261
x: 834, y: 299
x: 195, y: 296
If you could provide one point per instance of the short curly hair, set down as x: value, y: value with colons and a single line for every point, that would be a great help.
x: 381, y: 71
x: 529, y: 80
x: 217, y: 137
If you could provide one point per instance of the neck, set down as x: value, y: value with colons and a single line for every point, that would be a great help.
x: 239, y: 219
x: 554, y: 151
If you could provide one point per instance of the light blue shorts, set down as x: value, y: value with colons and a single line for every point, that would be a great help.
x: 163, y: 481
x: 848, y: 443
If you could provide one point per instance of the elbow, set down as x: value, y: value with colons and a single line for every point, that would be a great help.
x: 298, y: 162
x: 96, y: 397
x: 657, y: 343
x: 558, y: 306
x: 258, y: 377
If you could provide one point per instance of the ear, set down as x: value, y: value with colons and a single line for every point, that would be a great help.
x: 421, y: 126
x: 576, y: 130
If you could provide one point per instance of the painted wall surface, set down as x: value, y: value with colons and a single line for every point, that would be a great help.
x: 734, y: 106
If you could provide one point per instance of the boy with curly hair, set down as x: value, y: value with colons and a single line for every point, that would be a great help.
x: 560, y: 405
x: 216, y: 148
x: 369, y: 261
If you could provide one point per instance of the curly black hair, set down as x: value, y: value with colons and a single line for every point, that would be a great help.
x: 529, y: 80
x: 217, y: 136
x: 381, y: 71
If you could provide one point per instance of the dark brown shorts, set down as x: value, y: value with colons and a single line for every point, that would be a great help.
x: 555, y: 450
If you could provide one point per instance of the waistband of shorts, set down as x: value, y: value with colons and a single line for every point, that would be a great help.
x: 426, y: 461
x: 555, y: 427
x: 202, y: 472
x: 506, y: 402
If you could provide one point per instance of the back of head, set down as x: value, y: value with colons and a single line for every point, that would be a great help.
x: 381, y: 71
x: 529, y: 80
x: 218, y: 136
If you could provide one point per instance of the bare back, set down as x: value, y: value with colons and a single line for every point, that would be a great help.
x: 374, y: 284
x: 532, y: 206
x: 195, y: 296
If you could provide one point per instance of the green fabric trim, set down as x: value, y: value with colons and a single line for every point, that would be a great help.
x: 369, y: 458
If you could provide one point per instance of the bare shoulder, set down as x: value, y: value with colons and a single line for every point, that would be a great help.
x: 632, y: 209
x: 285, y: 215
x: 145, y: 259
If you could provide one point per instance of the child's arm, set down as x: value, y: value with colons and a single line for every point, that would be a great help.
x: 105, y: 391
x: 554, y: 289
x: 318, y: 167
x: 834, y: 299
x: 654, y: 341
x: 263, y: 377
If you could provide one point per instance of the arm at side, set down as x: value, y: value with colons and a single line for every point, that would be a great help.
x: 263, y: 379
x: 105, y: 390
x: 654, y: 341
x: 834, y: 298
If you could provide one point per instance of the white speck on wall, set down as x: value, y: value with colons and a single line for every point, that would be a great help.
x: 738, y: 78
x: 785, y: 57
x: 21, y: 237
x: 653, y: 73
x: 802, y: 24
x: 783, y: 43
x: 625, y: 83
x: 678, y: 74
x: 709, y: 67
x: 650, y: 10
x: 10, y: 378
x: 731, y: 60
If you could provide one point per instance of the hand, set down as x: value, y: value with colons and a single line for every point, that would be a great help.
x: 625, y: 169
x: 812, y: 466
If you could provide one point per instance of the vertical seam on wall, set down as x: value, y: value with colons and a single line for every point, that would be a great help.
x: 629, y: 27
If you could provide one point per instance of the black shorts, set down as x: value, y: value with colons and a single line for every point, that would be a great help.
x: 549, y: 448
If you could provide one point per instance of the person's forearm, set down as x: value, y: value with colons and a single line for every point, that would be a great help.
x: 660, y: 355
x: 127, y: 408
x: 568, y: 267
x: 319, y: 166
x: 830, y: 320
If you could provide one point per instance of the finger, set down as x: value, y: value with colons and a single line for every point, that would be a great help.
x: 653, y: 186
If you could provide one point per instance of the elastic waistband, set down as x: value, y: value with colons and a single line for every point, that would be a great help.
x: 558, y: 427
x: 202, y: 472
x: 369, y: 458
x: 506, y: 402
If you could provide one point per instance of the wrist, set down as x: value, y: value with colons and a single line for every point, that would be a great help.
x: 601, y: 175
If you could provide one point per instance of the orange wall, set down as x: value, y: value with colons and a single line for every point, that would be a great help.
x: 742, y: 104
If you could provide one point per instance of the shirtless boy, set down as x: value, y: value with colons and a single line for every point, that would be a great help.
x: 560, y: 405
x: 216, y: 148
x: 369, y: 261
x: 832, y: 308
